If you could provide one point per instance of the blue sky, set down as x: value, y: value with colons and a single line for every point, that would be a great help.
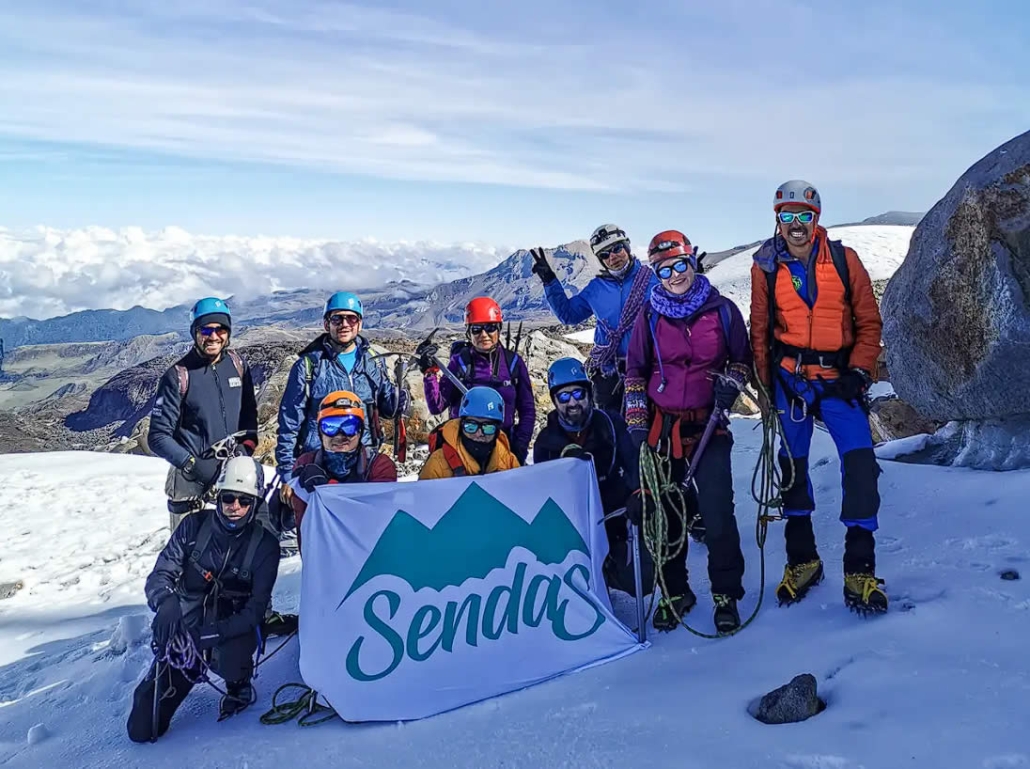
x: 509, y: 123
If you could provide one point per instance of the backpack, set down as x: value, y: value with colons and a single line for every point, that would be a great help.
x: 371, y: 407
x: 243, y: 572
x: 184, y: 374
x: 840, y: 263
x: 467, y: 370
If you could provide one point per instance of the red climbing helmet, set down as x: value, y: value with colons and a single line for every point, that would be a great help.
x: 483, y: 309
x: 668, y: 244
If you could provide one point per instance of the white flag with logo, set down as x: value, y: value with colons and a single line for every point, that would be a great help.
x: 417, y: 598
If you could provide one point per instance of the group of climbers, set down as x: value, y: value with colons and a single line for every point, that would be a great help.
x: 671, y: 355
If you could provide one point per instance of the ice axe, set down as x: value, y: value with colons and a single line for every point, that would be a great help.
x: 425, y: 346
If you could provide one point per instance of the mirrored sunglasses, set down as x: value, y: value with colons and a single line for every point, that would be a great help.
x: 679, y: 266
x: 565, y: 396
x: 487, y: 428
x: 212, y: 330
x: 805, y: 217
x: 617, y: 248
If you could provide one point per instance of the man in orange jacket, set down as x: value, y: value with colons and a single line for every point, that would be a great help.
x: 815, y: 332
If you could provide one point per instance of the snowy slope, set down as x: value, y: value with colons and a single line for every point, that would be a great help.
x: 940, y: 682
x: 882, y: 249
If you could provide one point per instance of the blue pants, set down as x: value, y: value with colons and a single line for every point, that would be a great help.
x: 848, y: 425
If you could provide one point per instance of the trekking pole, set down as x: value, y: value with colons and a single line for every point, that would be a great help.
x: 638, y: 582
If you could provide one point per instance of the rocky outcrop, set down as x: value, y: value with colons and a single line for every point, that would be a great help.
x: 957, y: 314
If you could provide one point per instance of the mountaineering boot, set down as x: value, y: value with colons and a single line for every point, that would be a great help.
x: 727, y: 618
x: 237, y: 697
x: 862, y: 594
x: 279, y: 624
x: 797, y: 580
x: 664, y: 618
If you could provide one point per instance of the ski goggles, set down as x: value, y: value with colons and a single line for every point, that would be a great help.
x: 212, y: 330
x: 479, y: 328
x: 343, y: 318
x: 346, y: 424
x: 611, y: 251
x: 565, y: 396
x: 679, y: 266
x: 228, y: 498
x: 805, y: 217
x: 471, y: 428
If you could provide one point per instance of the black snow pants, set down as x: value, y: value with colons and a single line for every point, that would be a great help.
x: 233, y: 660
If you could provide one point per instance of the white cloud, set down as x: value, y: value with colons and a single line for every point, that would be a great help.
x: 46, y: 272
x: 398, y: 94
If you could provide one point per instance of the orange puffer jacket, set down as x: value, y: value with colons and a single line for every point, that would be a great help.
x: 828, y: 326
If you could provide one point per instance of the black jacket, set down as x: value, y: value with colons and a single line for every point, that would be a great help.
x: 607, y: 439
x: 241, y: 607
x: 218, y: 402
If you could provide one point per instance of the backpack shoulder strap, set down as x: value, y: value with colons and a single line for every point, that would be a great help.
x: 200, y: 547
x: 840, y: 261
x: 237, y: 361
x: 727, y: 320
x: 246, y: 571
x: 454, y: 461
x: 512, y: 359
x: 184, y: 379
x: 309, y: 375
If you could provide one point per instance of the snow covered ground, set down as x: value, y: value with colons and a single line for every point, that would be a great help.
x: 881, y: 247
x: 941, y: 681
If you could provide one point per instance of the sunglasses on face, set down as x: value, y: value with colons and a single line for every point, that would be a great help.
x: 244, y: 500
x: 565, y: 396
x: 489, y: 328
x: 342, y: 319
x: 679, y: 266
x: 805, y: 217
x: 470, y: 428
x: 347, y: 424
x: 212, y: 330
x: 616, y: 249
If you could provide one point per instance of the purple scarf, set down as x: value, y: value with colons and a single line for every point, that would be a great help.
x: 683, y: 305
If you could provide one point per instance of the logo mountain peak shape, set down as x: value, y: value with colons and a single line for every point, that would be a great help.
x: 474, y: 537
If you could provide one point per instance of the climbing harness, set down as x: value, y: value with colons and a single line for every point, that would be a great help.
x: 767, y: 485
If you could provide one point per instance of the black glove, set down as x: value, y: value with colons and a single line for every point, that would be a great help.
x: 636, y: 506
x: 850, y: 386
x: 576, y: 452
x: 425, y: 353
x: 203, y: 470
x: 541, y: 267
x: 311, y: 476
x: 726, y: 392
x: 166, y: 621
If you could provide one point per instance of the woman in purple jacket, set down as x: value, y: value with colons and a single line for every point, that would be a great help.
x: 483, y: 360
x: 689, y: 354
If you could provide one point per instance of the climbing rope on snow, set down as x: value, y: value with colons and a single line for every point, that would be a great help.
x: 767, y: 485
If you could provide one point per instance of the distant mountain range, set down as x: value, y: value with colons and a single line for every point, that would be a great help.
x: 399, y: 305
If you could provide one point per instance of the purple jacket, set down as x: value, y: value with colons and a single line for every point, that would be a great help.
x: 683, y: 352
x: 517, y: 392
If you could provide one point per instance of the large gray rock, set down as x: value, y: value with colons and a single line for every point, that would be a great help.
x: 791, y: 703
x: 957, y: 311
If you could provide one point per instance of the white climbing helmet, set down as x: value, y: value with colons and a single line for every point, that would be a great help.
x: 244, y: 475
x: 606, y: 236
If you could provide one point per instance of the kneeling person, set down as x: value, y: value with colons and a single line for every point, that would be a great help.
x: 343, y: 458
x: 577, y: 429
x: 473, y: 443
x: 210, y: 588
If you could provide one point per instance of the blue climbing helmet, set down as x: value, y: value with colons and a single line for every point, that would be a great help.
x: 343, y: 300
x: 566, y: 371
x: 210, y: 309
x: 482, y: 403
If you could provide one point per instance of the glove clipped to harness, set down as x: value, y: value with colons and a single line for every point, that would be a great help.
x: 202, y: 470
x: 852, y: 385
x: 167, y: 620
x: 541, y: 268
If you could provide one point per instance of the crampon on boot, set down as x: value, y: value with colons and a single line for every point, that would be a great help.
x: 727, y: 618
x: 798, y: 580
x: 238, y: 696
x: 279, y: 624
x: 664, y: 619
x: 862, y: 594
